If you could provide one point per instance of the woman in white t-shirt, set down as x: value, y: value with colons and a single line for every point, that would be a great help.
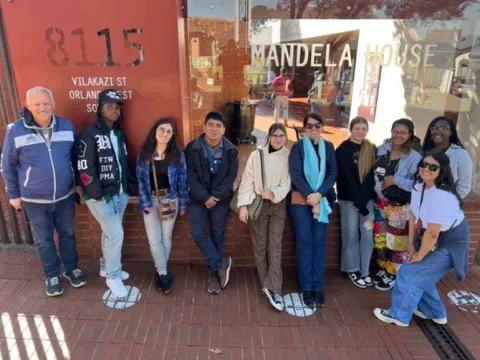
x: 439, y: 242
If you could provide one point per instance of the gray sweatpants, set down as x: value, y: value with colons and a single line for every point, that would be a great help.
x: 357, y: 238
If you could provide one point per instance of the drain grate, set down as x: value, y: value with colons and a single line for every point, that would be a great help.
x: 447, y: 345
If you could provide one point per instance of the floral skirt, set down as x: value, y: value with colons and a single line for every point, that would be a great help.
x: 391, y: 235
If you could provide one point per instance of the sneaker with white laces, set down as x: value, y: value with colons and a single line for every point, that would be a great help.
x: 378, y: 277
x: 357, y: 279
x: 387, y: 283
x: 123, y: 275
x: 385, y: 316
x: 54, y: 286
x: 76, y: 278
x: 275, y: 299
x: 117, y: 288
x: 421, y: 315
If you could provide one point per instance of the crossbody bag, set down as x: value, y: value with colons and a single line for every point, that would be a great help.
x: 167, y: 208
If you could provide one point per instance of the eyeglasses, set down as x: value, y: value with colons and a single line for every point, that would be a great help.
x: 431, y: 167
x: 281, y: 136
x: 311, y: 126
x: 443, y: 129
x: 163, y: 131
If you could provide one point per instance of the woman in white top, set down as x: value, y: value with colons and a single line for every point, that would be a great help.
x: 439, y: 242
x: 267, y: 230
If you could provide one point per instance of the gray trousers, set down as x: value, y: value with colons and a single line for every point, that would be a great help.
x: 357, y: 238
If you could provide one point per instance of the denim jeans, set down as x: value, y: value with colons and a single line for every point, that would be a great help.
x: 44, y: 220
x: 110, y: 216
x: 357, y: 237
x: 311, y: 237
x: 415, y: 287
x: 210, y: 246
x: 159, y: 233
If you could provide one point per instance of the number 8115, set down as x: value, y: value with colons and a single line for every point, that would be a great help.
x: 56, y: 39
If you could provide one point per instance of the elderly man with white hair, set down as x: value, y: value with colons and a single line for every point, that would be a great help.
x: 39, y: 163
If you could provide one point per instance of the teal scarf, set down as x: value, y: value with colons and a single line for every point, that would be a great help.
x: 314, y: 175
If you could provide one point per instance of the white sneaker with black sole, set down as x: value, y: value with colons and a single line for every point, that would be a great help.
x: 421, y: 315
x: 275, y: 299
x: 357, y: 279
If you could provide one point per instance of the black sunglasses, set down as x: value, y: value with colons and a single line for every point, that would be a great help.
x: 431, y: 167
x: 311, y: 126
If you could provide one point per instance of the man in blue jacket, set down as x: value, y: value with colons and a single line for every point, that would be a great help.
x: 212, y: 163
x: 38, y: 165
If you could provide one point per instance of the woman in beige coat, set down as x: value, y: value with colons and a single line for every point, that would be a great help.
x: 267, y: 230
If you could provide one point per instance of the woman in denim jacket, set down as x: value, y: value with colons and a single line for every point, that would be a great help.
x: 162, y: 182
x: 391, y: 179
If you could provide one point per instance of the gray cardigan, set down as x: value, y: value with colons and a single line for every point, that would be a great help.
x: 461, y: 166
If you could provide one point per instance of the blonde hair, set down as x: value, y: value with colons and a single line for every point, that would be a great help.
x: 367, y: 154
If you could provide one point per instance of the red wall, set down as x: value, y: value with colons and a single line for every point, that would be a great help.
x: 154, y: 84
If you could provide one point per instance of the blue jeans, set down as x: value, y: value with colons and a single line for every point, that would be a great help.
x: 159, y: 233
x: 210, y: 246
x: 110, y: 216
x: 415, y: 287
x: 311, y: 237
x: 44, y: 220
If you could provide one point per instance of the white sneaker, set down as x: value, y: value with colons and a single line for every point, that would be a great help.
x: 275, y: 299
x: 117, y: 288
x: 123, y: 275
x: 421, y: 315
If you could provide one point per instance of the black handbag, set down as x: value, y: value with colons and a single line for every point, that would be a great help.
x: 397, y: 195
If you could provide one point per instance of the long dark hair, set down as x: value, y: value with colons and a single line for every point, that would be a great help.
x: 173, y: 151
x: 444, y: 181
x: 454, y: 139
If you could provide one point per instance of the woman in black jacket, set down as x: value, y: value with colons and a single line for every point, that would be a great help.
x: 355, y: 158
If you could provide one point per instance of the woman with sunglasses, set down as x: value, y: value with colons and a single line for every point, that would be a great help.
x: 313, y: 170
x: 267, y: 231
x: 440, y: 245
x: 442, y: 135
x: 162, y: 194
x: 355, y: 158
x: 391, y: 179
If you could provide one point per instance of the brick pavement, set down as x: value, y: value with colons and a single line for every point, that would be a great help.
x: 184, y: 324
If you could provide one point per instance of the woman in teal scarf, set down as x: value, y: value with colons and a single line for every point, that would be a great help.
x: 313, y: 170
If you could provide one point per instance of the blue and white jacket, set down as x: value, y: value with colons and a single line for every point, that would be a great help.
x: 34, y: 170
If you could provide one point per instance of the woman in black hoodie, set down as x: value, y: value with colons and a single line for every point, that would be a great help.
x: 355, y: 158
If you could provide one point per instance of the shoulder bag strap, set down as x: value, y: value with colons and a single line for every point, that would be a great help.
x: 260, y: 152
x: 155, y: 179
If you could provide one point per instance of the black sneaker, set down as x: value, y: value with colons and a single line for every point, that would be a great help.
x: 275, y: 299
x: 168, y: 283
x: 158, y: 282
x: 357, y: 280
x: 386, y: 284
x: 308, y: 299
x: 378, y: 277
x: 76, y: 278
x: 319, y: 298
x: 54, y: 286
x: 213, y: 285
x: 224, y: 272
